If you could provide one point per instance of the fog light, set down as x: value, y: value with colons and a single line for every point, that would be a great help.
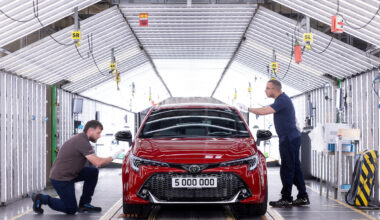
x: 144, y: 193
x: 244, y: 193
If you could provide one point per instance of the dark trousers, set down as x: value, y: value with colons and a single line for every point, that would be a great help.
x: 67, y: 201
x: 290, y: 171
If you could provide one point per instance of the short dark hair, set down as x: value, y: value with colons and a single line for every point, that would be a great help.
x: 276, y: 84
x: 92, y: 124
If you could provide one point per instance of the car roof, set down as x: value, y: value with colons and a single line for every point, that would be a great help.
x: 193, y: 105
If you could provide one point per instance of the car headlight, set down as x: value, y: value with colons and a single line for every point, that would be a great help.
x: 251, y: 161
x: 136, y: 162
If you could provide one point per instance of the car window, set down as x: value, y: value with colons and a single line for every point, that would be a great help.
x: 194, y: 123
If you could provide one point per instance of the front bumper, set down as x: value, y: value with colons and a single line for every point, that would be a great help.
x: 235, y: 184
x: 158, y: 189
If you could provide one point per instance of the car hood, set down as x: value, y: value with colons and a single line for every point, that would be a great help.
x: 185, y: 150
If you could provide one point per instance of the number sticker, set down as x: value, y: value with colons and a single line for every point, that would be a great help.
x: 75, y: 35
x: 274, y: 65
x: 307, y: 37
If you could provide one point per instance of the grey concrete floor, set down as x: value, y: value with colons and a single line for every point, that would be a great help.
x: 109, y: 190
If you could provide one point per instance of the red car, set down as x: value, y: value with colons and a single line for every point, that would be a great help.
x: 194, y: 154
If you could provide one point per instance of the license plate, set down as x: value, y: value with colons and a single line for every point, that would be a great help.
x: 194, y: 182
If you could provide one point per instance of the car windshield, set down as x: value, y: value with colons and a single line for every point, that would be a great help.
x: 194, y: 123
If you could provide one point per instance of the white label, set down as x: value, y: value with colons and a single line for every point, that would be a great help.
x: 195, y: 182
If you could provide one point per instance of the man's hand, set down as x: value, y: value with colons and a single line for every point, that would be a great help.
x: 116, y: 154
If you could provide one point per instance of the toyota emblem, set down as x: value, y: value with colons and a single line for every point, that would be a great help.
x: 194, y: 169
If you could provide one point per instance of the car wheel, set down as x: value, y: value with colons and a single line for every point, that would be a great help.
x: 251, y: 210
x: 136, y: 210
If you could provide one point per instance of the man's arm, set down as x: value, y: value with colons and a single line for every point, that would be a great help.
x: 99, y: 161
x: 262, y: 111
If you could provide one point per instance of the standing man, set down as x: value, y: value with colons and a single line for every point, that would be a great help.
x: 289, y: 141
x: 69, y: 168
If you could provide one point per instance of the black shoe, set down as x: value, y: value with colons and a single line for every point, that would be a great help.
x: 301, y: 201
x: 37, y: 203
x: 282, y: 203
x: 89, y: 208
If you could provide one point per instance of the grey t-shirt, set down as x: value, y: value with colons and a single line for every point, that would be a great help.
x: 71, y: 158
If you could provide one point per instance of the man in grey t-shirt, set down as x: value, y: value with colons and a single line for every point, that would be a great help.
x: 69, y: 168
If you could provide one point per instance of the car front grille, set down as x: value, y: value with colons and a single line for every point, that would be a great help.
x: 160, y: 185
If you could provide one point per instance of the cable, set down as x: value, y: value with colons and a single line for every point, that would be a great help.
x: 373, y: 86
x: 328, y: 45
x: 13, y: 19
x: 63, y: 44
x: 290, y: 61
x: 292, y: 48
x: 357, y: 28
x: 35, y: 13
x: 79, y: 52
x: 36, y: 16
x: 92, y: 55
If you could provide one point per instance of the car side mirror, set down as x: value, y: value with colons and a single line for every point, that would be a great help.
x: 263, y: 135
x: 124, y: 136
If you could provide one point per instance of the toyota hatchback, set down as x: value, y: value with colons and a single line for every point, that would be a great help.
x: 194, y: 154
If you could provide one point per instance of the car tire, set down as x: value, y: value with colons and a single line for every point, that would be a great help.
x: 251, y: 210
x: 136, y: 210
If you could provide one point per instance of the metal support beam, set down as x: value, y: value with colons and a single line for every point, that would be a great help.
x: 242, y: 39
x: 307, y: 24
x: 113, y: 55
x: 76, y: 19
x: 146, y: 53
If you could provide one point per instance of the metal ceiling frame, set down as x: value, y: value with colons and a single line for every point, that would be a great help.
x: 271, y: 30
x: 357, y: 13
x: 243, y: 38
x: 146, y: 52
x: 48, y: 12
x: 201, y: 32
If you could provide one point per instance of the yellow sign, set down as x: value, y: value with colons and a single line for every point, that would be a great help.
x: 249, y: 89
x: 307, y: 37
x: 112, y: 66
x: 75, y: 35
x: 144, y: 15
x: 274, y: 67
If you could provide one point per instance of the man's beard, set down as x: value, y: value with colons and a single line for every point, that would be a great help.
x: 93, y: 140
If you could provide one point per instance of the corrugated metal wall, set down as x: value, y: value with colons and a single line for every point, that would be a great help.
x: 64, y: 117
x: 22, y: 137
x: 109, y: 116
x: 361, y: 112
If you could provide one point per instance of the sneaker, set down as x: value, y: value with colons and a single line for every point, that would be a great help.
x: 282, y: 203
x: 301, y: 201
x: 89, y: 208
x: 37, y: 203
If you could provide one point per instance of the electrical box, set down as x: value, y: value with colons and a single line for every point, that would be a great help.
x: 337, y: 24
x: 297, y: 54
x: 331, y: 131
x: 143, y: 19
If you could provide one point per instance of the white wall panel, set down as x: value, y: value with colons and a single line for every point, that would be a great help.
x: 22, y: 137
x: 361, y: 112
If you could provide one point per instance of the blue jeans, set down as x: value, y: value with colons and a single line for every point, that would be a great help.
x: 67, y: 201
x: 290, y: 171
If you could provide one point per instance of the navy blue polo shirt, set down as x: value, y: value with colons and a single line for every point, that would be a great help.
x: 285, y: 118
